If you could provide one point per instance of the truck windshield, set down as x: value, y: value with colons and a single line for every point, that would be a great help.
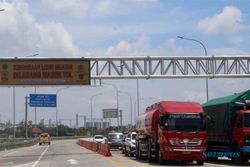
x: 183, y: 122
x: 133, y: 136
x: 247, y: 120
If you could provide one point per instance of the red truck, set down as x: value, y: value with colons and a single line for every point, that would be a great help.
x: 229, y: 128
x: 171, y: 130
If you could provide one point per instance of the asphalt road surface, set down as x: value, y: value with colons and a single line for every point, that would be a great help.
x: 67, y: 153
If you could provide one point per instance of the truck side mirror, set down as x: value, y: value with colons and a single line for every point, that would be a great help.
x: 210, y: 120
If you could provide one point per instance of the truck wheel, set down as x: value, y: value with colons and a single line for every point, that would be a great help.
x: 140, y: 156
x: 150, y: 159
x: 138, y: 152
x: 160, y: 158
x: 200, y: 162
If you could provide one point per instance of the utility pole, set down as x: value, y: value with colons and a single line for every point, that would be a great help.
x: 121, y: 117
x: 77, y: 120
x: 26, y: 117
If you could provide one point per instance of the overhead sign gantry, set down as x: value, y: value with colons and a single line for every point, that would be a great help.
x: 79, y: 71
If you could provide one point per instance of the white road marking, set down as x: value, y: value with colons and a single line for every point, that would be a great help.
x: 37, y: 161
x: 25, y: 165
x: 72, y: 162
x: 9, y: 153
x: 217, y: 165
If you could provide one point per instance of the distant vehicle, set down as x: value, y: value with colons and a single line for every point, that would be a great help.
x: 130, y: 144
x: 99, y: 138
x: 44, y: 138
x: 115, y: 140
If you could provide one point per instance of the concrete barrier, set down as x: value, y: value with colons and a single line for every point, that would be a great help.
x: 104, y: 149
x: 101, y: 148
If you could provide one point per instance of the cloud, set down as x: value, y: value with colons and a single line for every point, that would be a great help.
x: 228, y: 51
x: 80, y: 9
x: 23, y: 35
x: 142, y: 47
x: 125, y: 48
x: 230, y: 20
x: 195, y: 96
x: 74, y: 8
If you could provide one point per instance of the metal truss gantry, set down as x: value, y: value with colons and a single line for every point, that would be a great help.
x: 174, y: 67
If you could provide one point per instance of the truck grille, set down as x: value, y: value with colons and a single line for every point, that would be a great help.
x: 247, y: 140
x: 185, y: 142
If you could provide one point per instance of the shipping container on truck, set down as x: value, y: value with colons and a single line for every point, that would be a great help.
x: 171, y: 130
x: 229, y: 128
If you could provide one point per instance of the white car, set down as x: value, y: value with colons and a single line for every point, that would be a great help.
x: 130, y: 144
x: 99, y: 138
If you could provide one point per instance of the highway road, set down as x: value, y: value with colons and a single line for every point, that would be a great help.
x: 67, y: 153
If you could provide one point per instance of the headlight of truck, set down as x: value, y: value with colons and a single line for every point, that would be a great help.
x: 247, y: 140
x: 168, y: 149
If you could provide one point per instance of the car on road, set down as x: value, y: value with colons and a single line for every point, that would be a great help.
x: 44, y: 138
x: 99, y: 138
x: 115, y: 140
x: 130, y: 144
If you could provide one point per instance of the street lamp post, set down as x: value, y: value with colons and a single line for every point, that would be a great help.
x: 137, y: 89
x: 130, y: 98
x: 14, y: 99
x: 57, y: 108
x: 138, y: 100
x: 137, y: 94
x: 91, y: 111
x: 205, y: 51
x: 117, y: 100
x: 14, y: 112
x: 35, y: 112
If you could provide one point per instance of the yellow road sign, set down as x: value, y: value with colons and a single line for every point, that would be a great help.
x: 45, y: 71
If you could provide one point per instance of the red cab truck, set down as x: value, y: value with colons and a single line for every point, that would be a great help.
x: 229, y: 128
x: 171, y: 130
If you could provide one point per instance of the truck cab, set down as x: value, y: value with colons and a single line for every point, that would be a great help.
x: 183, y: 136
x: 171, y: 130
x: 229, y: 127
x: 241, y: 131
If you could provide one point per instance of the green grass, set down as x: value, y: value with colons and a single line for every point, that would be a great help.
x: 19, y: 145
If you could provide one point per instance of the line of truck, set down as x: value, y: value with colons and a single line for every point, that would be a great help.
x: 188, y: 131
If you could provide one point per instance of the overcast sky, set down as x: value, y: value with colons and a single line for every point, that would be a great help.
x: 76, y: 28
